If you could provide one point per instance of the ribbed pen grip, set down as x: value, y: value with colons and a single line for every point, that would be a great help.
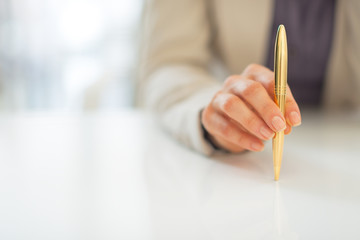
x: 280, y: 91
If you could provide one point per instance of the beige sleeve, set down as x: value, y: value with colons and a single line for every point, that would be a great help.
x: 174, y: 78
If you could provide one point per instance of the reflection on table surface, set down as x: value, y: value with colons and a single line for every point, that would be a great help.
x: 118, y: 176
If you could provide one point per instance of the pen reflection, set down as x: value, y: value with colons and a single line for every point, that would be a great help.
x: 282, y: 228
x: 277, y: 213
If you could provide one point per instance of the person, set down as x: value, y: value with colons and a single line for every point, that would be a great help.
x: 205, y: 66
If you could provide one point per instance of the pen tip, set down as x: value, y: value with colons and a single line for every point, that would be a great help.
x: 277, y: 173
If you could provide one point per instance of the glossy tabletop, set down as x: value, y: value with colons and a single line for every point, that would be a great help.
x: 119, y: 176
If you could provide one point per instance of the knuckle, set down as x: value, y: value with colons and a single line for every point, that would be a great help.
x: 231, y: 79
x: 229, y: 103
x: 225, y: 130
x: 251, y: 122
x: 241, y: 138
x: 291, y: 107
x: 269, y: 83
x: 217, y: 95
x: 270, y: 109
x: 217, y: 99
x: 291, y: 102
x: 251, y: 67
x: 251, y: 89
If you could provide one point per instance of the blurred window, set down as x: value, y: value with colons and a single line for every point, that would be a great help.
x: 67, y: 54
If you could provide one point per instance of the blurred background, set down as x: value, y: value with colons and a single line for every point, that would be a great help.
x: 68, y: 55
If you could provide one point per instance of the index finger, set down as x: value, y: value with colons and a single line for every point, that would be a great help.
x: 266, y: 77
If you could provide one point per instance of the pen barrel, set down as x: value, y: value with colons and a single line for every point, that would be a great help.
x: 278, y: 147
x: 280, y: 62
x: 280, y: 69
x: 280, y: 100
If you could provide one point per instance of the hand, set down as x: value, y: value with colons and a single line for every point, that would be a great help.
x: 243, y: 113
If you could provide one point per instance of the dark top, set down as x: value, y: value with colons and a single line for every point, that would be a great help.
x: 309, y: 28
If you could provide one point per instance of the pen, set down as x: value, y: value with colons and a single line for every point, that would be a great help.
x: 280, y: 69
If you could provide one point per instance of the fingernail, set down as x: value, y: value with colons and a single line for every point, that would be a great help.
x: 257, y: 146
x: 278, y: 124
x: 295, y: 118
x: 266, y: 133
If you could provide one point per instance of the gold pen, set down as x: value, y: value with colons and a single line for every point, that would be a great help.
x: 280, y: 69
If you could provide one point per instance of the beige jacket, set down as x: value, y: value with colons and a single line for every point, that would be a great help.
x: 186, y: 39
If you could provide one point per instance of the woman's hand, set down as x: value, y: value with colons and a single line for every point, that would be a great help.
x: 243, y: 113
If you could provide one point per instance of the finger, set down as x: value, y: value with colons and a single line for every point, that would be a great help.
x: 288, y: 129
x: 219, y: 125
x: 266, y: 77
x: 238, y: 111
x: 262, y: 75
x: 206, y: 117
x: 256, y: 96
x: 292, y: 111
x: 224, y: 144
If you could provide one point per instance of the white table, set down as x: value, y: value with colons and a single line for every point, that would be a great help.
x: 117, y: 176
